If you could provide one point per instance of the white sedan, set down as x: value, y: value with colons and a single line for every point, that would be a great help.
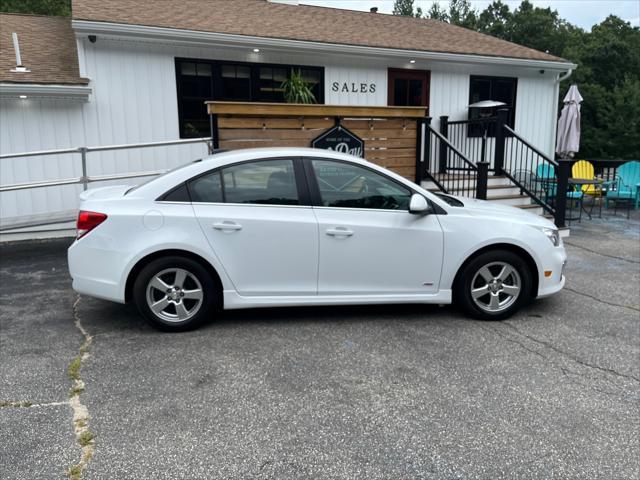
x: 297, y: 226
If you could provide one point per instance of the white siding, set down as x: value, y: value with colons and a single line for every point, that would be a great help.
x: 358, y: 79
x: 134, y: 100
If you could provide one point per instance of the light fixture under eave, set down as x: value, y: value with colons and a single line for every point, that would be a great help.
x: 256, y: 50
x: 23, y: 97
x: 412, y: 61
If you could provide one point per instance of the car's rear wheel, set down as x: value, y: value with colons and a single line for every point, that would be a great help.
x: 494, y: 285
x: 175, y: 293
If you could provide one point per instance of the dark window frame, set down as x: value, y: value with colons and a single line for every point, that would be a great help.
x: 475, y: 130
x: 394, y: 74
x: 216, y: 82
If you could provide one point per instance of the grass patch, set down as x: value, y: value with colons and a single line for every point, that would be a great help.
x: 76, y: 390
x: 74, y: 368
x: 74, y: 472
x: 86, y: 438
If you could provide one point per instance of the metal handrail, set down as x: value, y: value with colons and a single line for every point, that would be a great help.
x: 452, y: 148
x: 527, y: 144
x: 85, y: 179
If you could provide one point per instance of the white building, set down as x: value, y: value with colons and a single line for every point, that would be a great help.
x: 127, y: 71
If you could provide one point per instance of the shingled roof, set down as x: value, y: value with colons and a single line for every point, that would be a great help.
x: 47, y: 46
x: 260, y: 18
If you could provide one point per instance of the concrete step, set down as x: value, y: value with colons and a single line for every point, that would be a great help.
x: 514, y: 200
x: 491, y: 179
x: 533, y: 208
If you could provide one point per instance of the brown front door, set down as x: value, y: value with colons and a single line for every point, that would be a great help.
x: 408, y: 88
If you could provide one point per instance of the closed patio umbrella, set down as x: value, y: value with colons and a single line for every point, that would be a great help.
x: 568, y: 141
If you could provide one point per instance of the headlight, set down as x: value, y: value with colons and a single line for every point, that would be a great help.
x: 553, y: 235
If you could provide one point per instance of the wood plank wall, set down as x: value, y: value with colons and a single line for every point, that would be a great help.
x: 389, y: 142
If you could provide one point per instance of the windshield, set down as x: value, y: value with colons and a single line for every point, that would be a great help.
x: 161, y: 175
x: 450, y: 200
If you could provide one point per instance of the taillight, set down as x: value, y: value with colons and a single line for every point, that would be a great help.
x: 87, y: 221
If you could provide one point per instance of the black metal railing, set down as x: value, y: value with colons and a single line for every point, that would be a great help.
x: 475, y: 139
x: 451, y: 171
x: 462, y: 152
x: 606, y: 169
x: 531, y: 170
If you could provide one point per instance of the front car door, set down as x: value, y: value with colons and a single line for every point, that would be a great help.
x: 258, y: 221
x: 369, y: 242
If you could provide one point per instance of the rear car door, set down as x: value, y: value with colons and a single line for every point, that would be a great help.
x: 259, y: 222
x: 369, y: 242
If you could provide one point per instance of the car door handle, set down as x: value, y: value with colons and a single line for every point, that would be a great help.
x: 339, y: 232
x: 227, y: 226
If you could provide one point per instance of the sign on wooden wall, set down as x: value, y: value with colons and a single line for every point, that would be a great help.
x: 339, y: 139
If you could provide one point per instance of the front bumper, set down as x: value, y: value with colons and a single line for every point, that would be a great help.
x: 556, y: 263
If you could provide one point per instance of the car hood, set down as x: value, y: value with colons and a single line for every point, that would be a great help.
x: 502, y: 212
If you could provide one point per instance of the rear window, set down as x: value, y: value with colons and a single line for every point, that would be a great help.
x: 133, y: 189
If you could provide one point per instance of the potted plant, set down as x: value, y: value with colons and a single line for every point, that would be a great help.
x: 296, y: 90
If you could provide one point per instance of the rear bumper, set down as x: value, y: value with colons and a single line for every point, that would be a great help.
x: 96, y: 272
x: 98, y: 289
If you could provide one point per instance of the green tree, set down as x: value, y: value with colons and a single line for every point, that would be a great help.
x: 39, y: 7
x: 539, y: 28
x: 436, y: 12
x: 461, y: 13
x: 405, y: 8
x: 495, y: 20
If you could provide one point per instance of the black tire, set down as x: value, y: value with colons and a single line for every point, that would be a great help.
x: 471, y: 278
x: 195, y: 310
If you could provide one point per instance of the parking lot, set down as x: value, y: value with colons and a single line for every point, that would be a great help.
x: 361, y: 392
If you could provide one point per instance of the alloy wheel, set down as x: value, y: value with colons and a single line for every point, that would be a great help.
x: 174, y: 295
x: 496, y: 286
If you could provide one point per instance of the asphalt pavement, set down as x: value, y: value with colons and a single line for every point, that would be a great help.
x: 388, y: 392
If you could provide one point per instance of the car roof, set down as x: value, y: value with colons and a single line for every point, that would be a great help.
x: 165, y: 182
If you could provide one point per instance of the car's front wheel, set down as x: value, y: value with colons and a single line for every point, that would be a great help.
x: 494, y: 285
x: 175, y: 293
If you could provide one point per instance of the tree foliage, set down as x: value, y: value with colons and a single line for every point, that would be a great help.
x: 405, y: 8
x: 39, y: 7
x: 608, y: 58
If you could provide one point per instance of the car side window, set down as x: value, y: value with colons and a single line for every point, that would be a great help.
x: 206, y: 188
x: 351, y: 186
x: 267, y: 182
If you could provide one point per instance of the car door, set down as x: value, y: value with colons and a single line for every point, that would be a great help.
x: 369, y: 242
x: 258, y: 221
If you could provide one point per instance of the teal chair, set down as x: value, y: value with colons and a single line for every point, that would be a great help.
x: 546, y: 171
x: 626, y: 185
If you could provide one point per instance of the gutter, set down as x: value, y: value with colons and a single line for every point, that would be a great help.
x: 18, y: 90
x: 198, y: 37
x: 564, y: 76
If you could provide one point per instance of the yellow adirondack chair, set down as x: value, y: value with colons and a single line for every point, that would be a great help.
x: 584, y: 169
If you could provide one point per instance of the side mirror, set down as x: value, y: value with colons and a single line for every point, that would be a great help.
x: 418, y: 205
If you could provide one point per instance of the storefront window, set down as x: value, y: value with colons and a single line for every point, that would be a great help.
x: 501, y: 89
x: 202, y: 80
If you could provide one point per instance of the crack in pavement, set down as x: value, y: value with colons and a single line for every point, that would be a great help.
x: 27, y: 404
x: 565, y: 370
x: 578, y: 292
x: 570, y: 356
x: 81, y: 417
x: 600, y: 253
